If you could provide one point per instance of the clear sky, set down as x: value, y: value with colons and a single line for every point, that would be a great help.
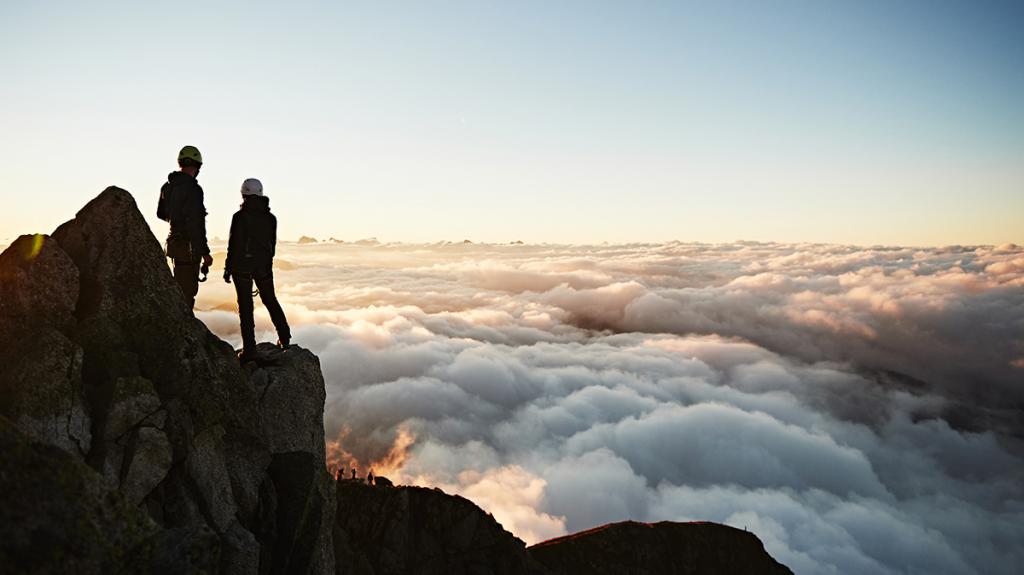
x: 866, y: 122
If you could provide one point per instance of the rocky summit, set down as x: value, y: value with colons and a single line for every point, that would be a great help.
x: 133, y: 442
x: 132, y: 439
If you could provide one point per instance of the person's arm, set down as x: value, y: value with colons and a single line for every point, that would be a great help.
x: 161, y: 206
x: 234, y: 236
x: 197, y: 223
x: 273, y: 237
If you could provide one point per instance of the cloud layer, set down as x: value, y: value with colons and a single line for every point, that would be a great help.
x: 857, y: 408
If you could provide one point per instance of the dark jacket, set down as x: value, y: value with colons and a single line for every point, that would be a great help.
x: 181, y: 204
x: 253, y: 239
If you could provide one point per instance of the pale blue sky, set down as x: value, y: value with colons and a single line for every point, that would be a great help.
x: 866, y: 122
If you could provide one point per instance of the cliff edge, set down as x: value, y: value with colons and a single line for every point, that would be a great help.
x: 133, y: 441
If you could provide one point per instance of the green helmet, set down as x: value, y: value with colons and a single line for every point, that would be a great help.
x: 190, y: 153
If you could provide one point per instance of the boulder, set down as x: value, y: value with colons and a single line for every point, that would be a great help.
x: 289, y: 385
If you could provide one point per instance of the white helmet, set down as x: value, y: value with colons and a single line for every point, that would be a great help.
x: 252, y: 187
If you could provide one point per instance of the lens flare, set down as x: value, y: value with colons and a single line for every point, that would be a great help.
x: 33, y: 247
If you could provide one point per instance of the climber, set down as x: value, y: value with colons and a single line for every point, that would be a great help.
x: 369, y: 478
x: 181, y: 204
x: 251, y: 247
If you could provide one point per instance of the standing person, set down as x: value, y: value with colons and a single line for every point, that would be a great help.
x: 250, y: 260
x: 181, y: 204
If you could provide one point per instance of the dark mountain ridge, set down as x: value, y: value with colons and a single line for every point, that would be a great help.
x: 663, y: 547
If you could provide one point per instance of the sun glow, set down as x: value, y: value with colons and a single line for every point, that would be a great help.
x: 338, y: 458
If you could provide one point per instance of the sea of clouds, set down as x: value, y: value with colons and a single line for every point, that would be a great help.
x: 859, y: 409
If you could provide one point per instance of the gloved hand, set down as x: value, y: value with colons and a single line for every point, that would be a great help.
x: 227, y: 277
x: 208, y: 260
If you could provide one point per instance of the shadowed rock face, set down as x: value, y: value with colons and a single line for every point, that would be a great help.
x: 662, y: 548
x: 102, y: 360
x: 41, y: 374
x: 56, y: 513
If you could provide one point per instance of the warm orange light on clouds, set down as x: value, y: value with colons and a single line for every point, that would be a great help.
x: 390, y: 464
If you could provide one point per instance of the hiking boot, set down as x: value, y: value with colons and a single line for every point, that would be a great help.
x: 246, y: 356
x: 283, y: 343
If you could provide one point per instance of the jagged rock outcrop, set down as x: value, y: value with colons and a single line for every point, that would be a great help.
x: 420, y: 531
x: 102, y: 360
x: 291, y: 394
x: 658, y: 548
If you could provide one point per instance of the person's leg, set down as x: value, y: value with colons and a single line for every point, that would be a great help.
x: 186, y: 273
x: 243, y: 291
x: 266, y: 286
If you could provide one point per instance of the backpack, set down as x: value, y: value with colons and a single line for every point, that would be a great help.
x: 171, y: 208
x: 258, y: 252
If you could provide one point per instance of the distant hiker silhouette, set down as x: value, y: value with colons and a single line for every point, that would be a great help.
x: 251, y: 248
x: 181, y: 204
x: 369, y: 477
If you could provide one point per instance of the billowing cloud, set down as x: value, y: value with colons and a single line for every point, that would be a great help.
x: 857, y: 408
